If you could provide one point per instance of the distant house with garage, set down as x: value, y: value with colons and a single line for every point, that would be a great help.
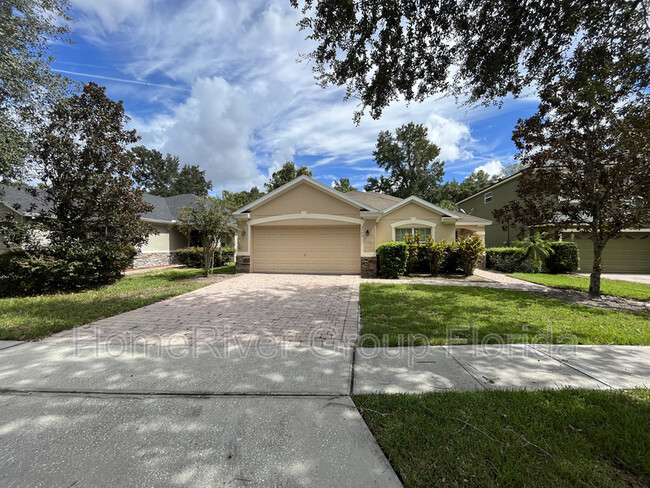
x: 159, y: 250
x: 629, y: 253
x: 306, y: 226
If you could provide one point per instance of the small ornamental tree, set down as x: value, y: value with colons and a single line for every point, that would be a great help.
x: 586, y: 154
x: 211, y: 219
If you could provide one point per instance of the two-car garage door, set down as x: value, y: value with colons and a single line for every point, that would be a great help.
x: 331, y: 250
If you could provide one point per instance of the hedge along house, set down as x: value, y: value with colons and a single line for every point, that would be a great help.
x: 308, y: 227
x: 630, y: 253
x: 159, y: 250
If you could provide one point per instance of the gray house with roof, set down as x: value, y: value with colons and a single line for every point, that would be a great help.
x: 159, y: 250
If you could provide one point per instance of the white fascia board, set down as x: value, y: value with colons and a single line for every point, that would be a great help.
x: 158, y: 221
x: 311, y: 181
x: 242, y: 216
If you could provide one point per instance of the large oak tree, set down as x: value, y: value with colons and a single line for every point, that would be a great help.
x: 410, y: 160
x: 28, y: 86
x: 384, y: 50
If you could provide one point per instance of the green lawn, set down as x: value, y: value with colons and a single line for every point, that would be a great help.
x: 35, y: 317
x: 624, y: 289
x: 543, y: 439
x: 394, y: 312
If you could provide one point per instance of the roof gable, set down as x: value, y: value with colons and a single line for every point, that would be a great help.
x: 305, y: 180
x: 422, y: 203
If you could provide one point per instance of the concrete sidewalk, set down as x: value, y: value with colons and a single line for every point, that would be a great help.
x: 87, y: 415
x: 514, y: 366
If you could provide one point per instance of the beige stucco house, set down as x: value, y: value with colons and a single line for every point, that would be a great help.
x: 159, y: 250
x: 308, y: 227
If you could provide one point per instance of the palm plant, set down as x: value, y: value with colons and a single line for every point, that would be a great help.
x: 536, y: 247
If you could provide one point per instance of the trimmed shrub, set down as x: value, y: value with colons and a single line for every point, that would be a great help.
x: 57, y: 269
x: 509, y: 260
x: 392, y: 258
x: 227, y: 255
x: 563, y: 259
x: 469, y: 250
x: 192, y: 257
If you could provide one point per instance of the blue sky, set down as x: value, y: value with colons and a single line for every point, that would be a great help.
x: 217, y: 83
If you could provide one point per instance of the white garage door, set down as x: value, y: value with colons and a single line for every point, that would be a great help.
x: 329, y: 250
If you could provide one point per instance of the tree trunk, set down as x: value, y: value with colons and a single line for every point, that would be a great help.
x: 206, y: 261
x: 594, y: 279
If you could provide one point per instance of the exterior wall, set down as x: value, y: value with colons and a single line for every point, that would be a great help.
x: 407, y: 212
x: 160, y: 249
x: 469, y: 230
x: 167, y: 240
x: 628, y: 254
x: 369, y: 241
x: 151, y: 259
x: 305, y: 198
x: 495, y: 236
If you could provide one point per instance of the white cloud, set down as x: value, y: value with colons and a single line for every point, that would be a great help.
x: 212, y: 128
x: 492, y: 168
x: 252, y: 106
x: 110, y: 13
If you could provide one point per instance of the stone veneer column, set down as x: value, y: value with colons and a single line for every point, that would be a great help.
x: 242, y: 264
x: 369, y: 267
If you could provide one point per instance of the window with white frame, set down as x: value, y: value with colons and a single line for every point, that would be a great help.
x: 487, y: 198
x: 401, y: 233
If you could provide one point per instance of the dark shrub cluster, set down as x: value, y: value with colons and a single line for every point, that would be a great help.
x: 61, y: 269
x: 413, y: 255
x: 510, y: 260
x: 192, y: 257
x: 563, y: 259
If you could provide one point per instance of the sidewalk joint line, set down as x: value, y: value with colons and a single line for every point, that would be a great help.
x: 463, y: 366
x: 575, y: 368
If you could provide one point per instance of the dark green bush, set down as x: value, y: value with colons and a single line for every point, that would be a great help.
x: 563, y: 259
x: 192, y: 257
x: 227, y: 255
x: 58, y: 269
x: 392, y: 258
x: 509, y: 260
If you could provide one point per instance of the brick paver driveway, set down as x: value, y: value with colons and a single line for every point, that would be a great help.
x: 249, y: 309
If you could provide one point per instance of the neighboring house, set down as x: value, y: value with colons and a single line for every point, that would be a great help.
x: 160, y: 248
x: 308, y: 227
x: 629, y: 253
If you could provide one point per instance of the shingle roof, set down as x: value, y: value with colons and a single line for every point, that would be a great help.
x: 377, y: 200
x: 165, y: 209
x: 22, y: 200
